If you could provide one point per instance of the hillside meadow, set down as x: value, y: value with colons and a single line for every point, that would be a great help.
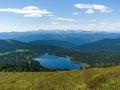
x: 87, y: 79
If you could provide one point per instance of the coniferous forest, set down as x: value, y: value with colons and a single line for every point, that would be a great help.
x: 20, y: 70
x: 23, y: 59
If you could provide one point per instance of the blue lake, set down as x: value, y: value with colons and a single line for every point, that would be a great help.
x: 56, y: 62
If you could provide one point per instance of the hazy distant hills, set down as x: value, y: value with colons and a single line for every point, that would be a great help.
x: 105, y: 45
x: 60, y: 40
x: 75, y: 37
x: 71, y: 36
x: 59, y: 43
x: 68, y: 37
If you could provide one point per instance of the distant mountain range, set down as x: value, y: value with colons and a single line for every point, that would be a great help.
x: 60, y: 40
x: 105, y: 45
x: 72, y: 36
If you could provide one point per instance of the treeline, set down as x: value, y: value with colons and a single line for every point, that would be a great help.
x: 24, y: 58
x: 18, y: 68
x: 91, y: 59
x: 22, y: 61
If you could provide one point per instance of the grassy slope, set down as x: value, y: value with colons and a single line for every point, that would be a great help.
x: 89, y: 79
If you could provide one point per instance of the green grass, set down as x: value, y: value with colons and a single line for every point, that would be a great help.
x: 88, y: 79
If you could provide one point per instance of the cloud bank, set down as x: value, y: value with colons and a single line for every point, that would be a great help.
x: 29, y: 11
x: 108, y: 27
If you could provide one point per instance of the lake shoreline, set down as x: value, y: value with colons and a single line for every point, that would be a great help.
x: 52, y: 61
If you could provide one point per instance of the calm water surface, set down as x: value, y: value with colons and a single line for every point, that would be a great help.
x: 56, y: 62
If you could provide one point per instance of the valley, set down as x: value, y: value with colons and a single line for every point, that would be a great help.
x: 101, y: 61
x: 59, y: 45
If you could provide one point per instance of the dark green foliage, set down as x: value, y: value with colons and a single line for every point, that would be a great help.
x: 19, y: 58
x: 20, y: 61
x: 12, y: 45
x: 92, y: 59
x: 18, y: 68
x: 22, y: 54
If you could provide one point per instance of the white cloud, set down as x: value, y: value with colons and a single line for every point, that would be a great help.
x: 33, y: 15
x: 75, y: 13
x: 93, y: 20
x: 83, y: 6
x: 54, y: 23
x: 29, y: 11
x: 31, y: 8
x: 51, y: 15
x: 90, y: 11
x: 101, y: 8
x: 63, y: 19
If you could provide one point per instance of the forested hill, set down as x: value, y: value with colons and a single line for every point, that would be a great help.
x: 105, y: 45
x: 12, y: 45
x: 12, y: 51
x: 59, y: 43
x: 19, y: 56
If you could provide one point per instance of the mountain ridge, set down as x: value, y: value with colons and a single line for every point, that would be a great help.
x: 12, y: 45
x: 105, y: 45
x: 59, y: 43
x: 78, y: 37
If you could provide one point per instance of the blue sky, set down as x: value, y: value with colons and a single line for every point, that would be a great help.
x: 90, y: 15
